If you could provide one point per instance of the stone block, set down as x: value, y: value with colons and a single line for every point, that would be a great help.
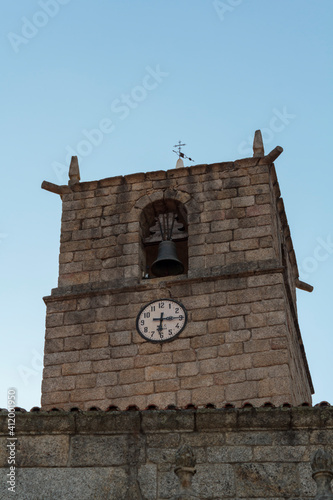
x: 217, y: 260
x: 238, y: 454
x: 121, y: 391
x: 58, y: 358
x: 76, y: 368
x: 63, y: 331
x: 106, y: 379
x: 213, y: 339
x: 215, y: 365
x: 255, y: 320
x: 224, y: 225
x: 219, y: 237
x: 52, y: 371
x: 109, y: 365
x: 269, y: 332
x: 183, y: 398
x: 266, y: 480
x: 243, y: 201
x: 218, y: 325
x: 267, y: 305
x: 203, y: 314
x: 120, y: 338
x: 240, y: 362
x: 231, y: 310
x: 240, y: 245
x: 237, y: 323
x: 216, y: 480
x: 276, y: 318
x: 235, y: 213
x: 237, y: 336
x: 77, y: 343
x: 79, y: 317
x: 95, y: 354
x: 87, y: 394
x: 166, y: 385
x: 258, y: 209
x: 168, y: 420
x: 188, y: 369
x: 183, y: 356
x: 51, y: 399
x: 257, y: 346
x: 58, y: 384
x: 130, y: 376
x: 147, y: 347
x: 197, y: 381
x: 241, y: 391
x: 178, y: 344
x: 274, y: 387
x: 231, y: 377
x: 260, y: 254
x: 101, y: 451
x: 162, y: 400
x: 230, y: 349
x: 163, y: 358
x: 61, y: 306
x: 55, y: 319
x: 96, y: 327
x: 252, y: 232
x: 42, y: 451
x: 86, y: 381
x: 270, y: 358
x: 124, y: 351
x: 161, y: 371
x: 207, y: 352
x: 53, y: 345
x: 99, y: 340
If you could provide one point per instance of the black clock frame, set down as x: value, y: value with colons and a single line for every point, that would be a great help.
x: 161, y: 341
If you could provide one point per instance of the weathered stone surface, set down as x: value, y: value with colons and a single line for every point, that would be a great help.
x: 250, y: 453
x: 266, y: 480
x: 64, y: 483
x: 214, y: 481
x: 99, y: 451
x: 239, y: 294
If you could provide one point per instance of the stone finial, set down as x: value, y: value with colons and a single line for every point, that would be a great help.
x: 258, y: 145
x: 74, y: 171
x: 322, y: 467
x: 185, y: 470
x: 180, y: 163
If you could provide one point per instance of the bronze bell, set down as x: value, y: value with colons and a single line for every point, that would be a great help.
x: 167, y: 262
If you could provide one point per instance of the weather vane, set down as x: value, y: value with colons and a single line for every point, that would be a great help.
x: 179, y: 152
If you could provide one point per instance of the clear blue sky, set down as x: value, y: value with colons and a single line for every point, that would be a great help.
x: 222, y: 70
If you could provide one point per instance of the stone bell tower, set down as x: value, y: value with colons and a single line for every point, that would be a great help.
x: 218, y: 327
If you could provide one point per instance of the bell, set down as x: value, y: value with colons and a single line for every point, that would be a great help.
x: 167, y: 262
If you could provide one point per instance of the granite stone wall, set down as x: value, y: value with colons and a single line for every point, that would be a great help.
x: 242, y: 340
x: 249, y: 453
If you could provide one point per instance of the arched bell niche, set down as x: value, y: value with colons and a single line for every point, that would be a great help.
x: 163, y: 220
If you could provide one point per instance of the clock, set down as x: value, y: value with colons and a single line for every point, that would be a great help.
x: 161, y: 320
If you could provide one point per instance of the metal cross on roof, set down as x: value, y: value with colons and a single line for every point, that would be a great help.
x: 179, y: 146
x: 179, y: 153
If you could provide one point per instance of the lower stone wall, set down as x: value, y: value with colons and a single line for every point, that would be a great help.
x: 249, y: 453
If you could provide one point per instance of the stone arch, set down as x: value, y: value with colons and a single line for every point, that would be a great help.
x: 164, y: 208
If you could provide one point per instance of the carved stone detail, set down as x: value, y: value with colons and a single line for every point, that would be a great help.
x: 322, y: 467
x: 185, y: 470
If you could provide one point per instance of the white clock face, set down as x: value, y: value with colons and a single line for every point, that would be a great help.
x: 161, y: 320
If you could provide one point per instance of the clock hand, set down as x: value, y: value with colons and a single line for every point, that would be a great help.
x: 173, y: 317
x: 160, y: 327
